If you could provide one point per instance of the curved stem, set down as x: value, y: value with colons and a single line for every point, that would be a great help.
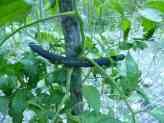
x: 70, y: 13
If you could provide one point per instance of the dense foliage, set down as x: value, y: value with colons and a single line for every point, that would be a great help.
x: 108, y: 27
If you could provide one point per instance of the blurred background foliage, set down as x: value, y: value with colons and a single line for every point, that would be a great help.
x: 32, y: 88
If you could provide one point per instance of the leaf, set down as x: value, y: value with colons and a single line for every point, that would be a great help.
x: 57, y: 76
x: 90, y: 45
x: 130, y: 82
x: 13, y: 11
x: 19, y: 104
x: 159, y: 5
x: 133, y: 72
x: 140, y: 45
x: 116, y: 6
x: 33, y: 69
x: 151, y: 14
x: 158, y: 113
x: 46, y: 37
x: 40, y: 117
x: 4, y: 101
x: 92, y: 96
x: 149, y: 28
x: 52, y: 3
x: 4, y: 2
x: 94, y: 117
x: 7, y: 84
x: 125, y: 45
x: 126, y: 25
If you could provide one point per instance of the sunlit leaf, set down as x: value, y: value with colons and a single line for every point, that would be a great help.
x: 126, y: 25
x: 149, y: 28
x: 116, y: 6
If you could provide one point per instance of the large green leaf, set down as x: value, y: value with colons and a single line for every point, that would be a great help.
x: 13, y: 10
x: 33, y: 68
x: 133, y: 72
x: 116, y: 6
x: 149, y: 28
x: 19, y: 104
x: 92, y: 96
x: 7, y: 84
x: 94, y: 117
x: 130, y: 82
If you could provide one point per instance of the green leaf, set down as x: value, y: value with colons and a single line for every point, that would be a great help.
x: 159, y: 5
x: 90, y: 45
x: 94, y: 117
x: 46, y: 37
x: 57, y: 76
x: 130, y: 82
x: 13, y: 11
x: 116, y: 6
x: 52, y: 3
x: 126, y: 25
x: 149, y: 28
x: 40, y: 117
x: 92, y: 96
x: 125, y: 45
x: 151, y: 14
x: 140, y: 45
x: 4, y: 2
x: 158, y: 113
x: 33, y: 68
x: 19, y: 104
x: 7, y: 84
x: 133, y: 72
x: 4, y: 101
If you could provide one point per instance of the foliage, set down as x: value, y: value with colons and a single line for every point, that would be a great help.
x: 30, y: 82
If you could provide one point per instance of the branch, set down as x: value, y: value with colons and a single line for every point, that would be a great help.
x: 72, y: 62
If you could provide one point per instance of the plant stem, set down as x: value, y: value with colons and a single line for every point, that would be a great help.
x: 67, y: 95
x: 102, y: 71
x: 69, y: 13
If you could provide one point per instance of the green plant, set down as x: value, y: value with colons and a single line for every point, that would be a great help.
x: 62, y: 87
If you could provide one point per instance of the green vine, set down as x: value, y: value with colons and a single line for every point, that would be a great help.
x: 70, y: 13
